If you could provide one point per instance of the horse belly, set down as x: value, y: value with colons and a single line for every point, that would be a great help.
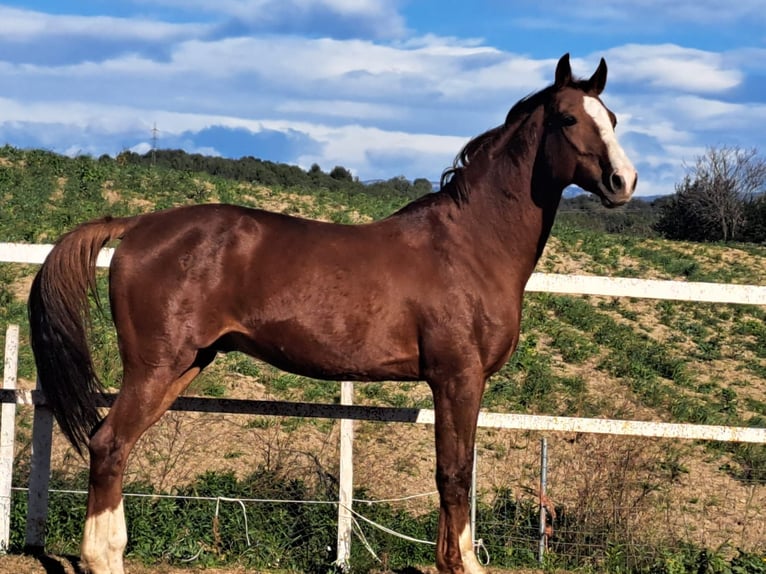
x: 331, y: 353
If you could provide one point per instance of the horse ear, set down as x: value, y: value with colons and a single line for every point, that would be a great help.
x: 563, y: 72
x: 597, y: 81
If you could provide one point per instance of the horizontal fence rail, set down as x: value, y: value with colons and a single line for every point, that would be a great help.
x: 542, y: 282
x: 426, y: 416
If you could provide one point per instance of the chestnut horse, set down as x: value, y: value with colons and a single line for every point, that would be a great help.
x: 432, y: 292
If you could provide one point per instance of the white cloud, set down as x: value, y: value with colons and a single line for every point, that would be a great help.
x: 243, y: 75
x: 265, y: 8
x: 294, y: 58
x: 651, y: 14
x: 710, y: 114
x: 406, y: 103
x: 348, y: 109
x: 27, y: 25
x: 349, y: 145
x: 378, y: 18
x: 668, y: 66
x: 141, y: 148
x: 354, y: 145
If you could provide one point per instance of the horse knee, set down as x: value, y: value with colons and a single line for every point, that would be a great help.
x: 108, y: 454
x: 453, y: 484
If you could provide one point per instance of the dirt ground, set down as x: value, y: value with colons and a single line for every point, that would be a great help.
x: 49, y: 564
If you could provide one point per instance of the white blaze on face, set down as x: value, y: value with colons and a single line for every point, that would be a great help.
x: 621, y: 165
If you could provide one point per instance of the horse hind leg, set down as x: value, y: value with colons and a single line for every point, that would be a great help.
x: 105, y: 534
x: 138, y: 406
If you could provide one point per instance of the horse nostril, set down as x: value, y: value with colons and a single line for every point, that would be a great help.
x: 617, y: 182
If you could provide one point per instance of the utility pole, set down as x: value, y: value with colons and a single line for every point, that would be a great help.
x: 155, y: 131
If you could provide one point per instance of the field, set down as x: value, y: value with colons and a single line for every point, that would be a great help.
x: 64, y: 565
x: 579, y: 356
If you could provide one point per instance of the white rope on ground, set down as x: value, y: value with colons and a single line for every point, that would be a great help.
x: 244, y: 513
x: 363, y: 539
x: 241, y: 501
x: 216, y: 499
x: 478, y: 547
x: 357, y: 527
x: 192, y: 558
x: 387, y: 530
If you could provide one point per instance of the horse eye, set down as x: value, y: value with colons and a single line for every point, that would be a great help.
x: 568, y: 120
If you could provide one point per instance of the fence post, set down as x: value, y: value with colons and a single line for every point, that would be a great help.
x: 8, y: 435
x: 39, y: 477
x: 346, y: 480
x: 543, y: 487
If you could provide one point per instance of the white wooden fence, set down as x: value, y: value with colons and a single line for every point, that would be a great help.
x: 546, y: 282
x: 571, y: 284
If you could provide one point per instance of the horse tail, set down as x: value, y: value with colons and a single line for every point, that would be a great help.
x: 59, y: 315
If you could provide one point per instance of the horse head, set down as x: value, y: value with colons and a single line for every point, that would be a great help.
x: 580, y: 145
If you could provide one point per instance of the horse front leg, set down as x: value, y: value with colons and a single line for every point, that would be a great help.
x: 456, y: 404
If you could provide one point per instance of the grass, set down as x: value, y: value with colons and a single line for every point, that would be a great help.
x: 577, y: 356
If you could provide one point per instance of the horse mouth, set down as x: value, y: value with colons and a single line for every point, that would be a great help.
x: 616, y: 190
x: 613, y: 201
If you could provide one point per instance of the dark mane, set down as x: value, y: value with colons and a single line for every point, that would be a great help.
x: 453, y: 178
x: 487, y: 143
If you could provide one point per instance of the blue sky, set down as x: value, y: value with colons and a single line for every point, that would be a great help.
x: 382, y: 88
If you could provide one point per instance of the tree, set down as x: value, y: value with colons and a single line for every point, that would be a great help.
x: 755, y: 227
x: 421, y: 186
x: 341, y: 173
x: 679, y: 218
x: 711, y: 203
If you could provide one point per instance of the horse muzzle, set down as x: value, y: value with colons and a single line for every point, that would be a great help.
x: 619, y: 187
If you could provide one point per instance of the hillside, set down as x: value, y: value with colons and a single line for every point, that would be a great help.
x: 579, y: 356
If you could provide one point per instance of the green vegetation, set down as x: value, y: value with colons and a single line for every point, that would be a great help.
x: 268, y: 534
x: 683, y: 362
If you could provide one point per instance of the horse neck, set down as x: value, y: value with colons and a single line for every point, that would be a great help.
x: 513, y: 203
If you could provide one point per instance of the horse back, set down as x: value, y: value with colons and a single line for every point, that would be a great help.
x: 322, y: 299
